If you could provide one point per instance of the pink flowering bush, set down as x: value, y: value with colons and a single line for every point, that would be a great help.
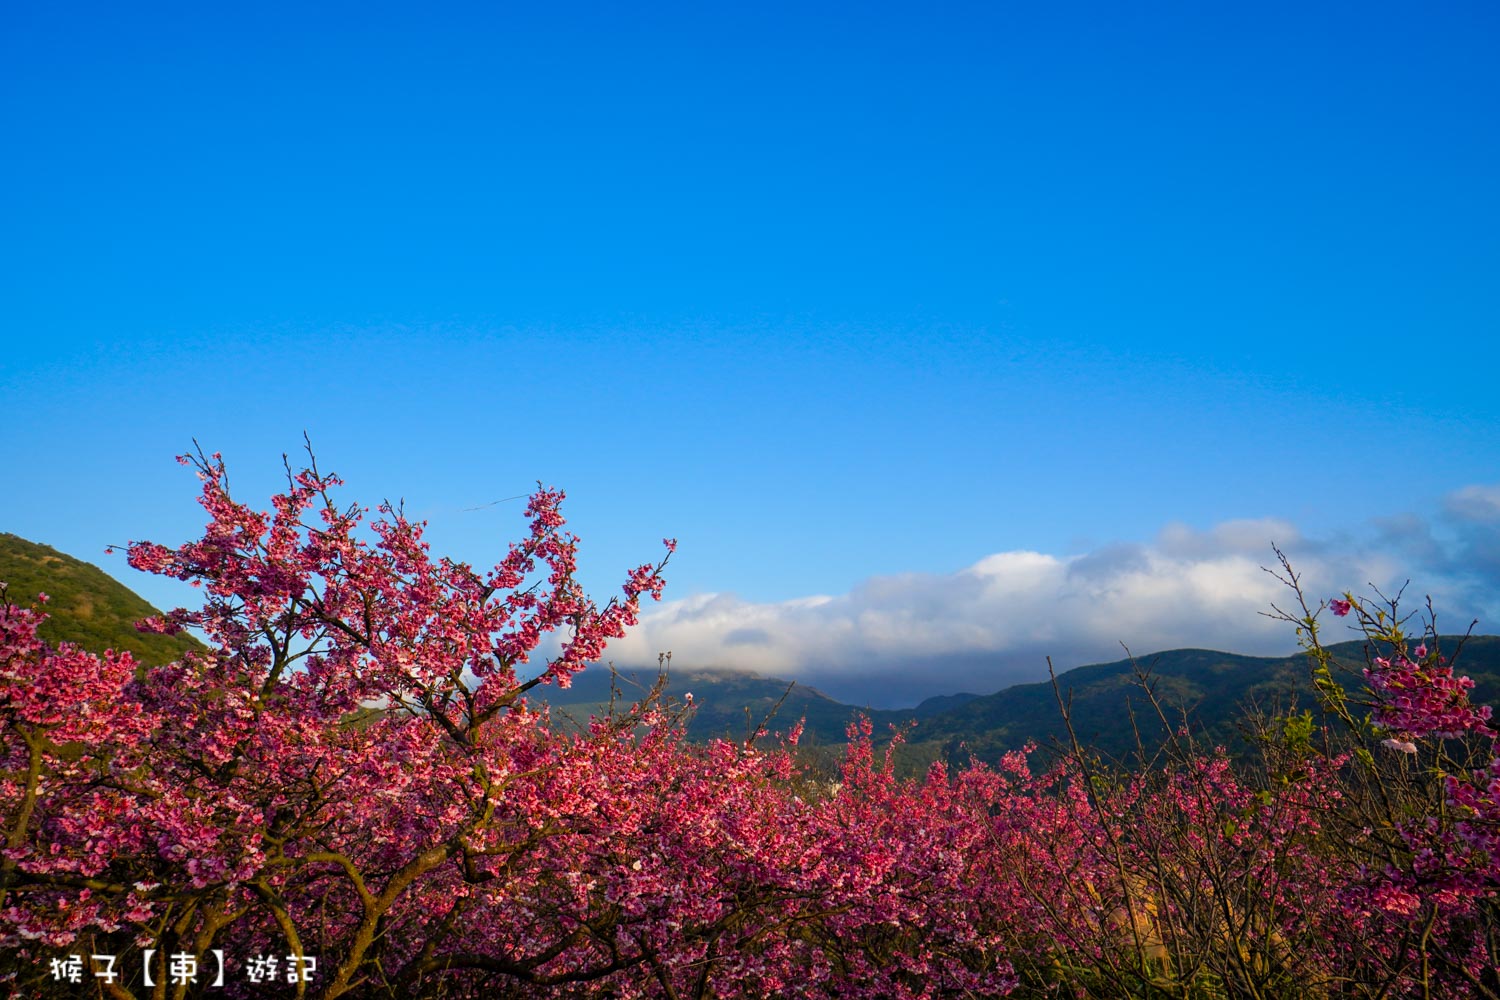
x: 351, y: 775
x: 1419, y: 814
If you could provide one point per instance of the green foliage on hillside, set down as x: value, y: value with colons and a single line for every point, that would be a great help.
x: 1212, y: 686
x: 87, y: 607
x: 729, y: 704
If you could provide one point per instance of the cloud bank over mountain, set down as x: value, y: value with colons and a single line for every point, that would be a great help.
x: 893, y: 640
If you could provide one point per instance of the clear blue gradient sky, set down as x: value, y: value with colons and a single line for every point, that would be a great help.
x: 849, y: 300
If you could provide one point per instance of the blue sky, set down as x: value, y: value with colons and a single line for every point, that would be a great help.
x: 854, y: 302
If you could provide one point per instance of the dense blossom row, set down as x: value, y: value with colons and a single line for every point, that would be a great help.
x: 352, y: 771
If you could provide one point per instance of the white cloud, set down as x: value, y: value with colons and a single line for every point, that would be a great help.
x: 994, y: 622
x: 1475, y: 503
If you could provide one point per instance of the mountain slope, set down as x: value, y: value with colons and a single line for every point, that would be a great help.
x: 87, y: 606
x: 1109, y: 707
x: 725, y: 703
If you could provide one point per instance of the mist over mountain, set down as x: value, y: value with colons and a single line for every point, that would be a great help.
x: 894, y: 639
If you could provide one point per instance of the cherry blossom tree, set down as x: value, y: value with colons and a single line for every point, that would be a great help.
x: 355, y: 734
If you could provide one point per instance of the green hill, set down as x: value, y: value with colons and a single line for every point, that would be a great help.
x: 87, y: 606
x: 726, y: 703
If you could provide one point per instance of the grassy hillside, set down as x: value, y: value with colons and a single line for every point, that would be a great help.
x: 87, y: 606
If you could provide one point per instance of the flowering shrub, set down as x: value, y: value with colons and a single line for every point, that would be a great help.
x: 350, y: 782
